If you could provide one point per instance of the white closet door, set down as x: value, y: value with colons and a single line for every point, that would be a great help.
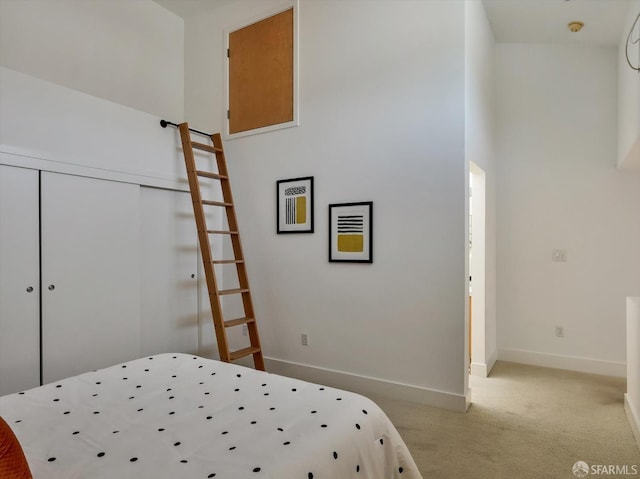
x: 169, y: 272
x: 90, y: 274
x: 19, y: 280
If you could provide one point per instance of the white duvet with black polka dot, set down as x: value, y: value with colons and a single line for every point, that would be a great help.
x: 182, y: 416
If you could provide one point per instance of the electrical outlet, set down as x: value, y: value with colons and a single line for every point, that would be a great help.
x: 559, y: 256
x: 559, y: 332
x: 305, y: 339
x: 245, y: 330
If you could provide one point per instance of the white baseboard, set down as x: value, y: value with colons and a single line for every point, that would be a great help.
x: 366, y: 385
x: 571, y: 363
x: 631, y: 161
x: 492, y: 361
x: 467, y: 400
x: 634, y: 418
x: 479, y: 369
x: 483, y: 369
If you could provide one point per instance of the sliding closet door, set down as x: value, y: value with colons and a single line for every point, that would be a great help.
x: 90, y: 274
x: 169, y: 261
x: 19, y: 279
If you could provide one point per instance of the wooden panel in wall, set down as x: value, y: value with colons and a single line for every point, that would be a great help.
x: 261, y: 73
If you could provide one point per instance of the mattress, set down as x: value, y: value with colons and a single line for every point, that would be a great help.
x: 183, y: 416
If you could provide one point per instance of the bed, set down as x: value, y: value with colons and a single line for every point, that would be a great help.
x: 183, y: 416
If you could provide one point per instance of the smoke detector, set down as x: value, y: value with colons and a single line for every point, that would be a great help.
x: 575, y: 26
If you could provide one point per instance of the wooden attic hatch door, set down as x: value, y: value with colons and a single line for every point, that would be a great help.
x: 262, y: 75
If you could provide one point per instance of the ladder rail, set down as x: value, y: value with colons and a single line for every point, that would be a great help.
x: 203, y: 238
x: 243, y: 278
x: 220, y: 325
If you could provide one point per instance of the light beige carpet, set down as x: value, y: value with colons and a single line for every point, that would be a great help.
x: 524, y: 422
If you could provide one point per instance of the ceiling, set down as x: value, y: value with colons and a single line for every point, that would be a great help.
x: 190, y: 8
x: 512, y: 21
x: 545, y: 21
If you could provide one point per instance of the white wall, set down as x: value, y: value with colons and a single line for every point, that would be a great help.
x: 558, y: 188
x: 382, y: 119
x: 50, y: 127
x: 480, y: 149
x: 129, y: 52
x: 629, y: 96
x: 83, y: 85
x: 632, y: 397
x: 53, y: 128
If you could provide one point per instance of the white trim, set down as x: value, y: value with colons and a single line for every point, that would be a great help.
x: 467, y: 400
x: 571, y: 363
x: 296, y: 113
x: 631, y: 160
x: 634, y: 419
x: 257, y: 131
x: 367, y: 385
x: 492, y: 361
x: 632, y: 397
x: 21, y: 157
x: 483, y: 370
x: 480, y: 370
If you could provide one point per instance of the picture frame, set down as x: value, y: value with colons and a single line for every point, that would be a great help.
x: 351, y: 232
x: 294, y: 212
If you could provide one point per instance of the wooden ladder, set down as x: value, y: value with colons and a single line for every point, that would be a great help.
x: 215, y: 294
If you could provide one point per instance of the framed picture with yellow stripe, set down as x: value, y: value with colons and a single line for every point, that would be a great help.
x: 351, y: 232
x: 295, y: 205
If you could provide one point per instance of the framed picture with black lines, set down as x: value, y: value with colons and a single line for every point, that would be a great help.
x: 295, y: 205
x: 351, y: 232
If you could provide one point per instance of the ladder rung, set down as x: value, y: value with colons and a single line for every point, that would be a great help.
x: 203, y: 147
x: 218, y: 232
x: 216, y: 203
x: 232, y: 291
x: 241, y: 353
x: 228, y: 261
x: 208, y: 174
x: 238, y: 322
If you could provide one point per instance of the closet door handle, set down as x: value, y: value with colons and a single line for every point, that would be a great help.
x: 193, y: 276
x: 30, y: 289
x: 52, y: 287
